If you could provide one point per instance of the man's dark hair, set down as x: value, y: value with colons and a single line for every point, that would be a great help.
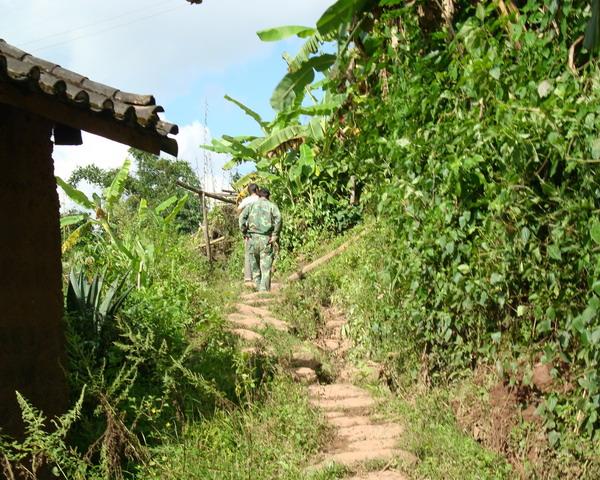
x: 252, y: 188
x: 264, y: 192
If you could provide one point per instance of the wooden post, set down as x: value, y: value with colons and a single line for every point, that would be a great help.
x: 206, y: 232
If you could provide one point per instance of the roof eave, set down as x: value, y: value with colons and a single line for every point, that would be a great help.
x: 66, y: 114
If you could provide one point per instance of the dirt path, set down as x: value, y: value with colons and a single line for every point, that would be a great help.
x: 363, y: 443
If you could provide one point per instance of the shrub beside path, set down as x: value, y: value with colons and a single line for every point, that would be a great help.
x: 361, y: 439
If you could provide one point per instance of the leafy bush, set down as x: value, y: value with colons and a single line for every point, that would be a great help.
x: 491, y: 194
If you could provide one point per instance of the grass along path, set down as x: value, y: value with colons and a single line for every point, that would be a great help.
x: 363, y: 445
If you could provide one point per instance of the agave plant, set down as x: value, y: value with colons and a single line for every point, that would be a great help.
x: 93, y: 308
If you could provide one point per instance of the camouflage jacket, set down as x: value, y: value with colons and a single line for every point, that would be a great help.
x: 261, y: 217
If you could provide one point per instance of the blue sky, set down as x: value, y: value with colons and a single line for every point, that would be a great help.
x: 186, y: 55
x: 251, y: 82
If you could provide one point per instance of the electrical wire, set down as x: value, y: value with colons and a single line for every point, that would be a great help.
x: 114, y: 27
x: 96, y: 23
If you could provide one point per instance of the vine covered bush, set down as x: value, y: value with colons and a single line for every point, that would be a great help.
x: 471, y: 131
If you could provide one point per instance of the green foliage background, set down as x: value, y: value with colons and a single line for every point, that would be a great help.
x: 472, y: 135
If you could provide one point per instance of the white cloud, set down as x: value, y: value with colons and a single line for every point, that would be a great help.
x: 158, y: 46
x: 108, y: 154
x: 95, y: 150
x: 208, y: 165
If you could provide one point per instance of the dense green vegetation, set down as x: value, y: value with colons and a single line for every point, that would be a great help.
x: 147, y: 349
x: 271, y: 438
x: 470, y: 131
x: 153, y: 181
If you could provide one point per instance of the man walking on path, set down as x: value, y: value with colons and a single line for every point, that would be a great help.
x: 260, y: 222
x: 249, y: 200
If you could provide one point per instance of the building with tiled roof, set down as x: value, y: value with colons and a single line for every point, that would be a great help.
x: 76, y: 103
x: 42, y: 104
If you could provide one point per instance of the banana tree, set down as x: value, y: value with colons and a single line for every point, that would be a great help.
x: 136, y: 247
x: 285, y: 153
x: 97, y: 210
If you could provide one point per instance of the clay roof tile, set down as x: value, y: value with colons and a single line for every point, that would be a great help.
x: 136, y: 111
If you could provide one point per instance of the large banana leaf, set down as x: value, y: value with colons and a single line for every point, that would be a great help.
x: 180, y: 204
x: 143, y: 210
x: 315, y: 128
x: 304, y: 167
x: 307, y: 160
x: 248, y: 112
x: 231, y: 146
x: 166, y: 204
x: 231, y: 163
x: 279, y: 137
x: 291, y: 88
x: 322, y: 62
x: 114, y: 191
x: 77, y: 196
x: 281, y: 33
x: 240, y: 138
x: 326, y: 107
x: 310, y: 47
x: 245, y: 180
x: 218, y: 146
x: 239, y: 148
x: 339, y: 13
x: 72, y: 219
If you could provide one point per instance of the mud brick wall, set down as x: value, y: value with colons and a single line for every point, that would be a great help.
x: 31, y: 330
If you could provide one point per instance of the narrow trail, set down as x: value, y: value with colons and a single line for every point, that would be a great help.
x: 364, y: 443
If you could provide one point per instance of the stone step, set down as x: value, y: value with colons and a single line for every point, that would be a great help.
x: 305, y: 375
x: 304, y: 358
x: 351, y: 458
x: 350, y: 403
x: 246, y: 309
x: 336, y: 390
x: 344, y: 420
x: 267, y: 317
x: 384, y: 475
x: 260, y: 301
x: 372, y: 431
x: 247, y: 335
x: 249, y: 297
x: 335, y: 324
x: 256, y: 323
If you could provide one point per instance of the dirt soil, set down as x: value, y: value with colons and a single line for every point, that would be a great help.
x: 492, y: 419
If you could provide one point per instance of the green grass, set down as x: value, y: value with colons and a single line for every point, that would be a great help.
x: 443, y: 451
x: 272, y: 438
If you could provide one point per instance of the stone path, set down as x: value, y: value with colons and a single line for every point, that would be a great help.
x: 360, y: 436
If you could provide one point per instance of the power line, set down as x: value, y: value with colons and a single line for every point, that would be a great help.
x: 96, y: 23
x: 205, y: 152
x: 93, y: 34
